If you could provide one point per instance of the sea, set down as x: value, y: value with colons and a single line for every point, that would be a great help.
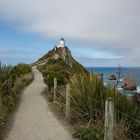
x: 133, y: 72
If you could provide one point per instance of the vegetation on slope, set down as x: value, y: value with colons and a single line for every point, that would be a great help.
x: 46, y: 56
x: 61, y: 54
x: 12, y: 81
x: 55, y: 69
x: 58, y: 69
x: 88, y: 96
x: 88, y: 103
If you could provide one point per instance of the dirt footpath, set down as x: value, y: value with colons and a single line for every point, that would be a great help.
x: 33, y: 119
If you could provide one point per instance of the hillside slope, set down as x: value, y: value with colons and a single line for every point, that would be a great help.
x: 58, y: 63
x: 60, y: 54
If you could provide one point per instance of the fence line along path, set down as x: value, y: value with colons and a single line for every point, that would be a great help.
x: 33, y: 119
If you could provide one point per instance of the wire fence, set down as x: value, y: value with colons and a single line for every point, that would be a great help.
x: 114, y: 123
x: 9, y: 86
x: 129, y: 124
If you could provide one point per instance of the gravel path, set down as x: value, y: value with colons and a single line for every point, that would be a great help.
x: 33, y: 119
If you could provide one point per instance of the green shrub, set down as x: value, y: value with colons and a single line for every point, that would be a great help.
x: 55, y: 69
x: 19, y: 70
x: 88, y: 134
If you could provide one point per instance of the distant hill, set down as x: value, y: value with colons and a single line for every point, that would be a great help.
x: 60, y: 53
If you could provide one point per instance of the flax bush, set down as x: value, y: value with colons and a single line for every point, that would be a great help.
x: 88, y: 103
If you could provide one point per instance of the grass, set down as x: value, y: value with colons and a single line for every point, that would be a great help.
x: 88, y: 97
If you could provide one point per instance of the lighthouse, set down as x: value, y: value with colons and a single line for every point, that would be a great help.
x: 62, y: 43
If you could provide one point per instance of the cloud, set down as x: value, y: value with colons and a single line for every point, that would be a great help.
x: 112, y: 24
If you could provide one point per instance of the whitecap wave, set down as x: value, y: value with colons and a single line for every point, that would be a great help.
x: 138, y: 89
x: 120, y: 88
x: 121, y: 80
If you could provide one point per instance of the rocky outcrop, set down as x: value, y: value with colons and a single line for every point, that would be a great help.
x: 63, y: 53
x: 129, y: 84
x: 112, y: 77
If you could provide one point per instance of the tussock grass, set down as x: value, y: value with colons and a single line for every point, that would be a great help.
x: 88, y: 97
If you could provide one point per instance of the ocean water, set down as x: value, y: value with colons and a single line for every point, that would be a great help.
x: 133, y: 72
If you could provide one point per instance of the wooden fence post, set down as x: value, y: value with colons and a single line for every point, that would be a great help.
x: 67, y: 115
x: 55, y: 88
x: 109, y: 119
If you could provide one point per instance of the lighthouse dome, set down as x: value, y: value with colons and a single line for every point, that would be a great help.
x: 62, y: 39
x: 62, y: 42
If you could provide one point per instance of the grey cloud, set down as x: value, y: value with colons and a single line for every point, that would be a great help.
x: 113, y: 24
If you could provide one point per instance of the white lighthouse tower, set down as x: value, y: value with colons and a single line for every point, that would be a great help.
x: 62, y: 43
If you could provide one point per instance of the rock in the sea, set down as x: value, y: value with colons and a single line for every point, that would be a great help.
x: 129, y: 84
x: 112, y: 77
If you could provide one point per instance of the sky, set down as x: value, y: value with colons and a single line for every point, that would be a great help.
x: 101, y: 33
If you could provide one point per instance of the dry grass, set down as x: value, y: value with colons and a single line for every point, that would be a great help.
x: 119, y: 133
